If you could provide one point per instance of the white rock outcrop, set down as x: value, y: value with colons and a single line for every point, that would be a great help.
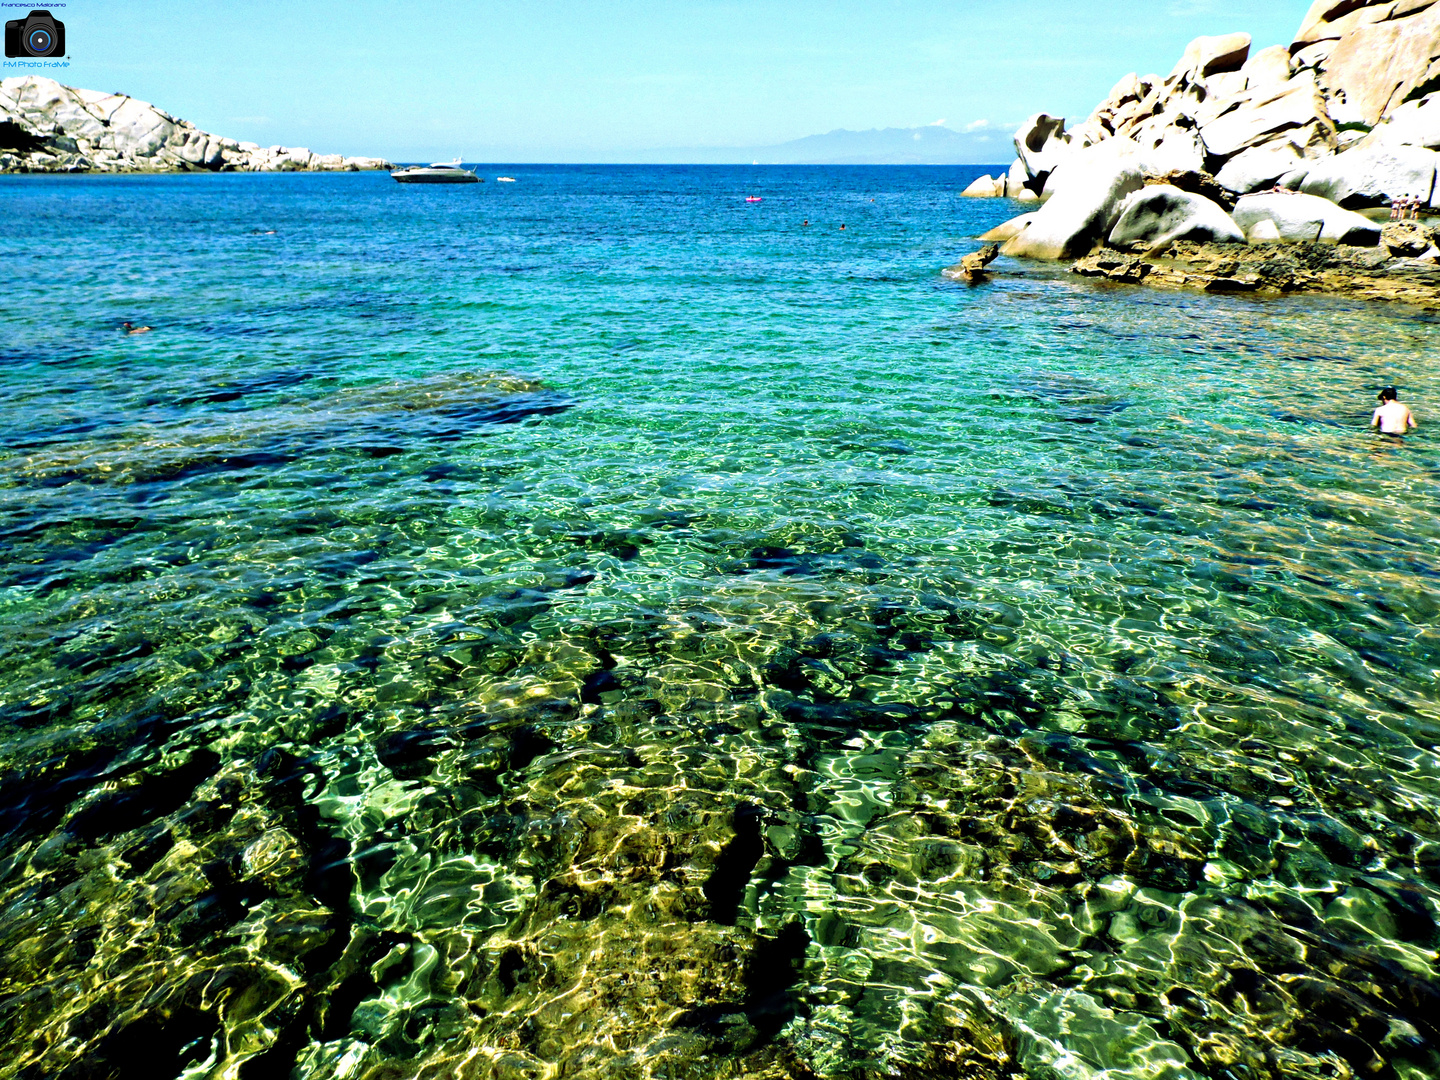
x: 1371, y: 54
x: 986, y: 187
x: 1374, y: 176
x: 1041, y: 144
x: 1082, y: 214
x: 1360, y: 76
x: 1206, y: 56
x: 1015, y: 179
x: 1262, y: 231
x: 1268, y: 68
x: 1008, y: 229
x: 1306, y: 218
x: 1292, y: 112
x: 1256, y: 168
x: 48, y: 127
x: 1160, y: 213
x: 1415, y: 123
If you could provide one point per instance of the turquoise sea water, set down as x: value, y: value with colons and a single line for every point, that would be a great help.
x: 596, y: 627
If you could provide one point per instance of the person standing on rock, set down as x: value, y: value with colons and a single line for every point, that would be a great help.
x: 1391, y: 417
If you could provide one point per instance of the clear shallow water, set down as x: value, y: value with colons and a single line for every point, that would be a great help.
x: 592, y: 627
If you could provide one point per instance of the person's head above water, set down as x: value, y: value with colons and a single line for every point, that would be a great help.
x: 1389, y: 394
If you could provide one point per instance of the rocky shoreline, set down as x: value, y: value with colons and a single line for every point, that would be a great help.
x: 1250, y: 173
x: 1276, y: 268
x: 49, y: 128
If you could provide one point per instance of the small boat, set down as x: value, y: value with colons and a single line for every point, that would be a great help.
x: 441, y: 172
x: 505, y: 179
x: 753, y: 198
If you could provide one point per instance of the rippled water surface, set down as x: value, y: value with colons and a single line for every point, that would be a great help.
x: 593, y: 627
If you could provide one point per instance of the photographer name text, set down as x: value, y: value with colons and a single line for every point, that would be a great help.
x: 37, y: 63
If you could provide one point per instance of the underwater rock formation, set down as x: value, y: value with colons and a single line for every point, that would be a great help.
x: 375, y: 421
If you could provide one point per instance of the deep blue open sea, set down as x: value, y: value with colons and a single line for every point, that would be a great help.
x: 598, y: 628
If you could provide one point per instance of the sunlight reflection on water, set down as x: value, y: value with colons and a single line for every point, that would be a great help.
x: 603, y: 630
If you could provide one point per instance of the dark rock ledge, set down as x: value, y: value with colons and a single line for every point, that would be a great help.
x: 1388, y: 272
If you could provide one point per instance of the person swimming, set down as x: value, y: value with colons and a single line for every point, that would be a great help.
x: 131, y: 328
x: 1391, y: 417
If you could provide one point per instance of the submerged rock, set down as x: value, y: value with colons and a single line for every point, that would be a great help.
x: 371, y: 421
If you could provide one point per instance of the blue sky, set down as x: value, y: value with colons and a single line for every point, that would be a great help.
x: 565, y: 80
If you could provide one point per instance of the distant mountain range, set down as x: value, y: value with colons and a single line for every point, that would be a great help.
x: 932, y: 145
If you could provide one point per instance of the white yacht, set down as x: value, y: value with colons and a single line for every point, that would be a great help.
x: 441, y: 172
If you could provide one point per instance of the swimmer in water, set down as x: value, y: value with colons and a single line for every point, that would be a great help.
x: 131, y: 328
x: 1391, y: 417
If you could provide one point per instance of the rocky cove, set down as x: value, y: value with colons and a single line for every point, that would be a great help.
x: 49, y: 128
x: 1268, y: 171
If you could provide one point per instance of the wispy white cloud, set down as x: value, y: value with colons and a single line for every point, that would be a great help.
x: 977, y: 125
x: 937, y: 123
